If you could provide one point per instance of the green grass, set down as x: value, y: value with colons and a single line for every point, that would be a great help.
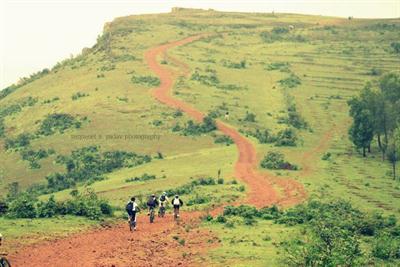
x: 25, y: 231
x: 243, y: 244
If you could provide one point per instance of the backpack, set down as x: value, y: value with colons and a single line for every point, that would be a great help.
x: 176, y: 202
x: 129, y: 208
x: 151, y: 202
x: 162, y: 198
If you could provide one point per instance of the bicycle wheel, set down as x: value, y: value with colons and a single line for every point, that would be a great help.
x: 4, y: 263
x: 152, y: 216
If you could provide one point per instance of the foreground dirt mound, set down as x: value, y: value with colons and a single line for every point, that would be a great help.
x: 163, y: 243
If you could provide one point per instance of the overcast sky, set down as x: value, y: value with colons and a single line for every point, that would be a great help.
x: 36, y: 34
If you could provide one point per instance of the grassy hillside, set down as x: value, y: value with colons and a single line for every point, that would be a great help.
x: 267, y: 75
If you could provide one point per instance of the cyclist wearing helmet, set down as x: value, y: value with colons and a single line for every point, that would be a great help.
x: 152, y: 203
x: 177, y: 203
x: 163, y: 203
x: 163, y: 199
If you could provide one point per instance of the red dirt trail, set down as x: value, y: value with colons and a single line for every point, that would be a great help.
x: 154, y: 245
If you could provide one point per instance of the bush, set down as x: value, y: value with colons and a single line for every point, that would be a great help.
x: 220, y: 181
x: 207, y: 126
x: 149, y: 81
x: 89, y: 164
x: 386, y: 247
x: 78, y: 95
x: 34, y: 156
x: 290, y: 82
x: 250, y: 117
x: 144, y: 177
x: 234, y: 65
x: 396, y: 47
x: 2, y: 128
x: 221, y: 219
x: 282, y: 66
x: 223, y: 139
x: 326, y: 156
x: 24, y: 206
x: 276, y: 161
x: 57, y: 122
x: 21, y: 141
x: 286, y: 137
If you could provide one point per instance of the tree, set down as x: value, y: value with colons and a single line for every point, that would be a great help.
x: 362, y: 130
x: 393, y: 153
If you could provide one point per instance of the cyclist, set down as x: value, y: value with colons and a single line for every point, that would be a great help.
x: 132, y: 208
x: 163, y: 203
x: 152, y: 203
x: 3, y: 261
x: 177, y: 203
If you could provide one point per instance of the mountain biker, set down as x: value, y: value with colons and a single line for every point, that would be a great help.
x: 177, y: 203
x: 152, y: 203
x: 132, y: 208
x: 163, y: 203
x: 163, y: 199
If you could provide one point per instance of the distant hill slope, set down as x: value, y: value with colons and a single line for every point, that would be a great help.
x: 105, y: 90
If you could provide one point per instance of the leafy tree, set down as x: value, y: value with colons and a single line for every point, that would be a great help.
x: 361, y: 131
x: 393, y: 153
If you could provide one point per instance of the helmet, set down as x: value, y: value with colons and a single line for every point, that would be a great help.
x: 153, y: 195
x: 176, y: 196
x: 164, y: 193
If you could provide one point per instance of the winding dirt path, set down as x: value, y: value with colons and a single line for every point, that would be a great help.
x: 154, y: 245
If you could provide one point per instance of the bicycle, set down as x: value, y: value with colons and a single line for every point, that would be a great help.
x: 3, y: 261
x: 176, y: 214
x: 161, y: 211
x: 132, y: 223
x: 152, y: 215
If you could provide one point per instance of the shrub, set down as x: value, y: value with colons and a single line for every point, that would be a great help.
x: 223, y: 139
x: 177, y: 113
x: 375, y: 72
x: 220, y: 181
x: 198, y: 200
x: 89, y: 164
x: 386, y: 247
x: 291, y: 81
x: 326, y: 156
x: 144, y: 177
x: 250, y: 117
x: 396, y: 47
x: 286, y: 137
x: 157, y: 123
x: 21, y: 141
x: 149, y: 81
x: 57, y: 122
x: 207, y: 126
x: 209, y: 78
x: 282, y: 66
x: 78, y: 95
x: 24, y: 206
x: 276, y: 161
x: 263, y: 136
x: 234, y: 65
x: 2, y: 128
x: 221, y: 219
x: 47, y: 209
x: 34, y: 156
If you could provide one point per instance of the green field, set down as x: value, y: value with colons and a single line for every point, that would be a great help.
x: 240, y: 70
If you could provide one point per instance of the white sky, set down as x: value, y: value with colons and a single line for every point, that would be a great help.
x: 36, y: 34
